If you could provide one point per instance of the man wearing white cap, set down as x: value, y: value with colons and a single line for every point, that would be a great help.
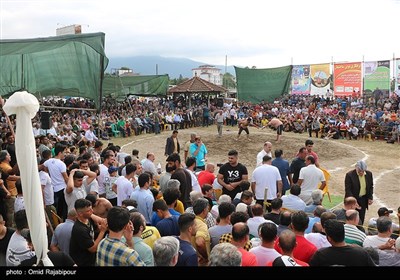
x: 359, y: 184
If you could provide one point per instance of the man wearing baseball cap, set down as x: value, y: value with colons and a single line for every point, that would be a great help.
x: 383, y: 211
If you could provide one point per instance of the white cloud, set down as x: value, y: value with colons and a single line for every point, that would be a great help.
x: 255, y: 32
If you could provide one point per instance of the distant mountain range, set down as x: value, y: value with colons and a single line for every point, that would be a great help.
x: 149, y: 65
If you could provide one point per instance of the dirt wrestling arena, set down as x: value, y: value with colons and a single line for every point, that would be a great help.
x: 337, y: 156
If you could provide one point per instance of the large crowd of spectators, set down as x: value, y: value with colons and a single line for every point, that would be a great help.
x: 351, y: 117
x: 82, y: 180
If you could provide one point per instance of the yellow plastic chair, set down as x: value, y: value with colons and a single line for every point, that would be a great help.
x: 288, y: 209
x: 327, y: 176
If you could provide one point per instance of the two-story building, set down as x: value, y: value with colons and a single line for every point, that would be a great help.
x: 209, y: 73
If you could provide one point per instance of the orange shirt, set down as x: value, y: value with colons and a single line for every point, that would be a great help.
x: 10, y: 183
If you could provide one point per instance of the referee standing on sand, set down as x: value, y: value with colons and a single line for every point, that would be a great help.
x: 360, y: 184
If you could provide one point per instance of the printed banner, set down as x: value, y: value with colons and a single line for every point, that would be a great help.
x: 347, y: 78
x: 376, y: 76
x: 320, y: 79
x: 301, y: 80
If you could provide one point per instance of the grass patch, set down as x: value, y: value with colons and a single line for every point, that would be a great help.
x: 335, y: 200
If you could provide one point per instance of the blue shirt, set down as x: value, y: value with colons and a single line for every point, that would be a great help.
x: 145, y: 200
x: 155, y: 219
x: 311, y: 222
x: 200, y: 157
x: 283, y: 166
x: 168, y: 226
x: 187, y: 254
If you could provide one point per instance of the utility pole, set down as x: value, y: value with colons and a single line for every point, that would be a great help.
x: 226, y: 63
x: 394, y: 74
x: 156, y: 69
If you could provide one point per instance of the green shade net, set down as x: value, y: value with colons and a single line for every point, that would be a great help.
x: 255, y: 85
x: 70, y: 65
x: 119, y: 87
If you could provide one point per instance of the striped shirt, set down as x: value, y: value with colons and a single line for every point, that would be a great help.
x: 113, y: 252
x: 352, y: 235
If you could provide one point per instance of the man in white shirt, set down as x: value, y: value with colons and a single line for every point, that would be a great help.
x: 292, y: 201
x: 266, y: 151
x: 148, y: 165
x: 266, y: 176
x: 266, y: 253
x: 104, y: 177
x: 89, y: 134
x: 353, y: 132
x: 257, y: 219
x: 123, y: 186
x: 318, y: 238
x: 57, y: 170
x: 191, y: 166
x: 36, y: 130
x: 18, y: 249
x: 219, y: 118
x: 383, y: 240
x: 75, y: 188
x: 309, y: 178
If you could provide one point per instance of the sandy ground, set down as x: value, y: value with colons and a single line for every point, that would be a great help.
x: 337, y: 156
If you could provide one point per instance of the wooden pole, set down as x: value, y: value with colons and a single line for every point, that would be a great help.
x: 7, y: 118
x: 265, y: 199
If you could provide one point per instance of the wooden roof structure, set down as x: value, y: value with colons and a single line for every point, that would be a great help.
x: 197, y: 85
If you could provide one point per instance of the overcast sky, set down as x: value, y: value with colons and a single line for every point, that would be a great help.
x: 259, y: 33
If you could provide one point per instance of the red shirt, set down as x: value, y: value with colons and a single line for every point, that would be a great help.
x: 248, y: 259
x: 205, y: 177
x: 303, y: 251
x: 314, y: 154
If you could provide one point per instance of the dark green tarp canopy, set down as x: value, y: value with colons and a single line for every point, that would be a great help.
x: 119, y: 87
x: 69, y: 65
x: 255, y: 85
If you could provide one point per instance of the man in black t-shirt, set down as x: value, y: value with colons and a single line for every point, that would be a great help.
x: 86, y: 234
x: 339, y: 254
x: 183, y: 176
x: 298, y: 163
x: 231, y: 174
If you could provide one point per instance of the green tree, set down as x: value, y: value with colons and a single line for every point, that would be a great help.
x: 228, y: 81
x: 173, y: 81
x: 177, y: 81
x: 181, y: 79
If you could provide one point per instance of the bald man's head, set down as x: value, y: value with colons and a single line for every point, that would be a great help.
x: 210, y: 167
x: 350, y: 203
x: 240, y: 231
x: 268, y: 147
x: 287, y: 241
